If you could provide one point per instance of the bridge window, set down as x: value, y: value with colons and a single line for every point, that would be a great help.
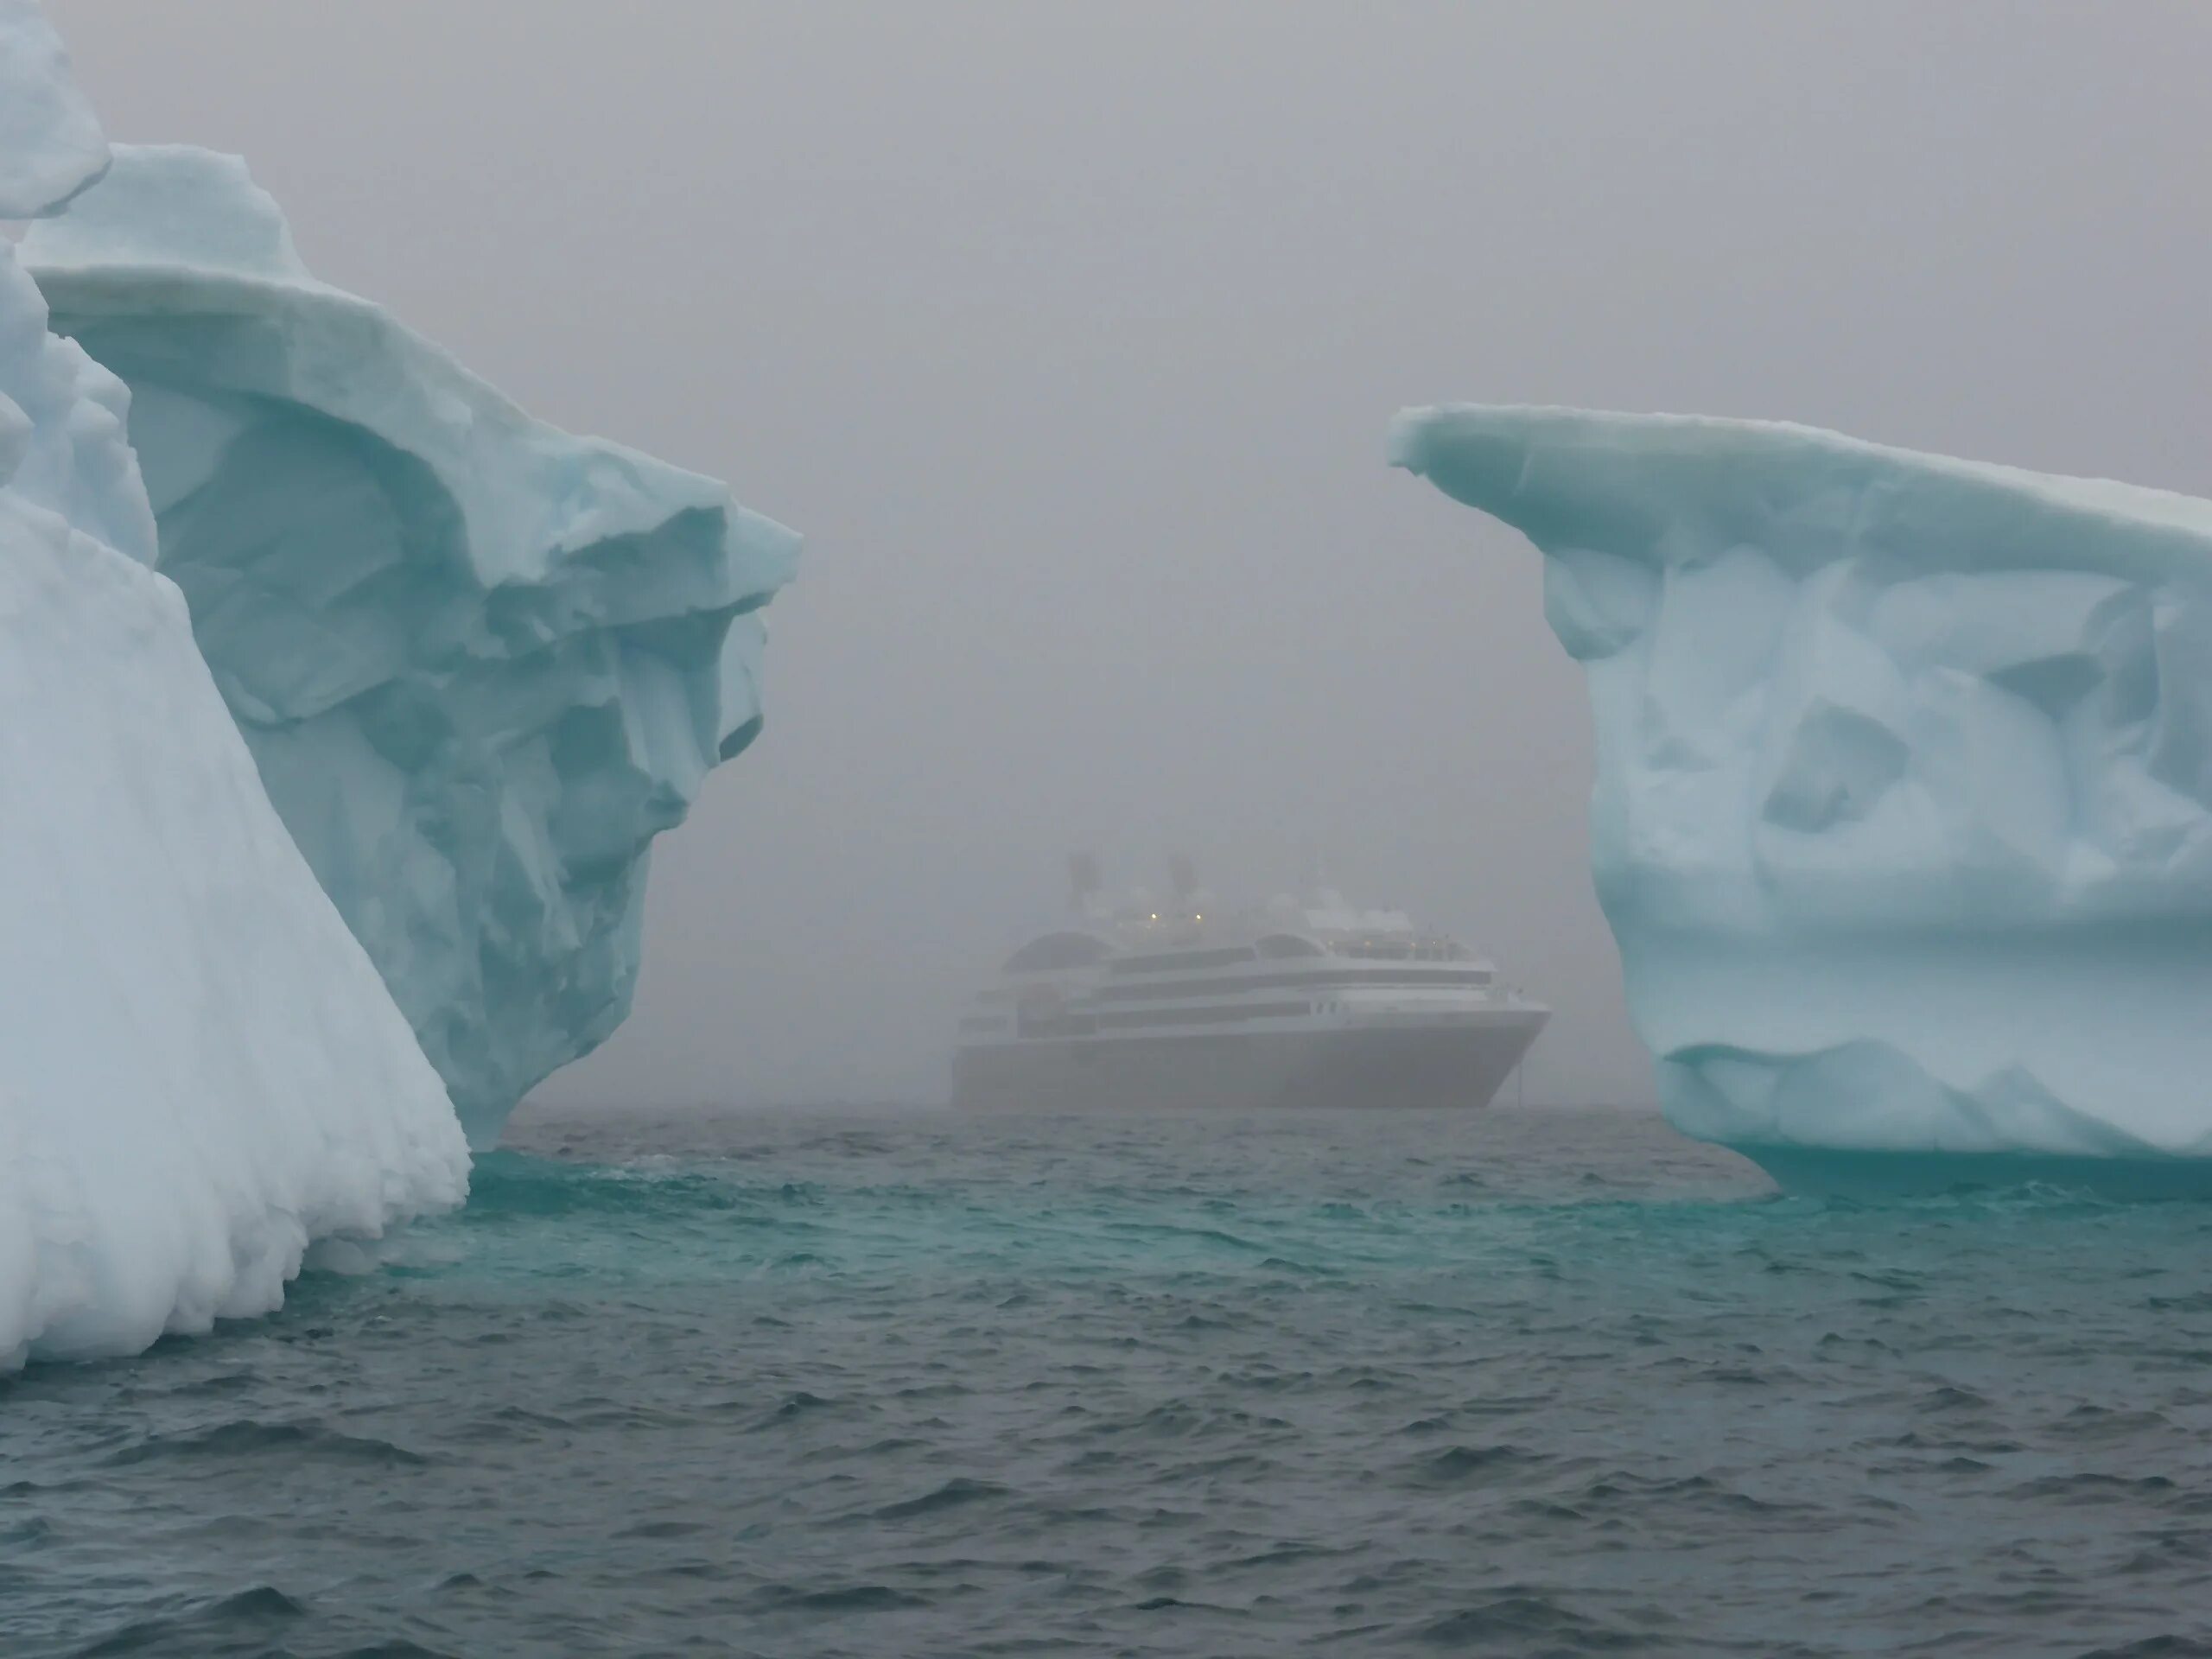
x: 1059, y: 950
x: 1170, y: 962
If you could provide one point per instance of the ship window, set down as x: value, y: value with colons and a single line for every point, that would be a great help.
x: 1377, y: 950
x: 1144, y: 987
x: 1171, y: 961
x: 1288, y: 944
x: 1059, y: 950
x: 1232, y: 1013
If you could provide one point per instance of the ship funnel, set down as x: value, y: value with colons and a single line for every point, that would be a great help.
x: 1317, y: 871
x: 1082, y: 877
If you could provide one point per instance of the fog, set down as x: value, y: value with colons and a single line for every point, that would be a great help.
x: 1068, y: 335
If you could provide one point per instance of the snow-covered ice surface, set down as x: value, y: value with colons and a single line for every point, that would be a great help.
x: 480, y: 662
x: 1902, y: 817
x: 201, y: 1070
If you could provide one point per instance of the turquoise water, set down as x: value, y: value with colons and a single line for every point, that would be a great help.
x: 1515, y: 1384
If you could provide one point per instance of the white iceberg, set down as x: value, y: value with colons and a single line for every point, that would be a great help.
x: 201, y: 1070
x: 480, y: 662
x: 1902, y: 817
x: 51, y: 145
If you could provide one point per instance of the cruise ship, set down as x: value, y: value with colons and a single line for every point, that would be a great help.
x: 1301, y: 1002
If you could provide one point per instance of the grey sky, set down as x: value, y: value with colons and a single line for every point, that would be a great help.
x: 1068, y: 334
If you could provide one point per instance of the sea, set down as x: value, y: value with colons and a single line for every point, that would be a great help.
x: 911, y: 1382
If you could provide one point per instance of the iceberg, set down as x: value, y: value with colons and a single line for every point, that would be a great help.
x: 480, y: 664
x: 201, y: 1070
x: 51, y: 145
x: 1903, y: 814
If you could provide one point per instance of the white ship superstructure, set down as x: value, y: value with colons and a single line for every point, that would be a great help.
x: 1302, y: 1002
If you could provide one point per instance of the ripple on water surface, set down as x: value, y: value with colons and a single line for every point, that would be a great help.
x: 916, y: 1383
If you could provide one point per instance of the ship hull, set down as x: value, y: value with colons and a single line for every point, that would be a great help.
x: 1456, y: 1061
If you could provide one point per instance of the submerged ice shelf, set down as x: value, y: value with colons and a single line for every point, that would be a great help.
x: 1903, y: 816
x: 201, y: 1070
x: 480, y: 662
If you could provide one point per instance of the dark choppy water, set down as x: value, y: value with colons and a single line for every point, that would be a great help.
x: 922, y: 1384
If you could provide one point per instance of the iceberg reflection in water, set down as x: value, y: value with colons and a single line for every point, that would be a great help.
x: 1504, y: 1382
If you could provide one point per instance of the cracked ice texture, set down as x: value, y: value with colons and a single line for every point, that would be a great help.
x: 50, y: 144
x: 480, y: 662
x: 1903, y: 816
x: 201, y: 1072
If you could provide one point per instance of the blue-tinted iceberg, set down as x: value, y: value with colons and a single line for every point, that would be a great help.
x: 1902, y: 817
x: 51, y: 145
x: 201, y: 1070
x: 480, y: 662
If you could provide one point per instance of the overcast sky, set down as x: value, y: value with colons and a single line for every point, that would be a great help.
x: 1068, y: 334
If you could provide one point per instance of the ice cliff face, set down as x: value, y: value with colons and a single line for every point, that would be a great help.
x: 50, y: 144
x: 1902, y: 817
x: 480, y: 664
x: 201, y: 1070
